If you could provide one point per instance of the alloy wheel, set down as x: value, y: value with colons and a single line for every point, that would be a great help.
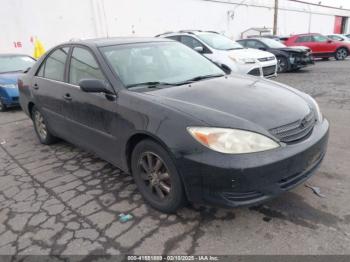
x: 342, y: 54
x: 40, y: 125
x: 155, y: 175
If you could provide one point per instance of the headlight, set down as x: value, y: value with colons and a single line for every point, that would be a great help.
x: 232, y: 141
x: 243, y: 60
x: 8, y: 85
x: 317, y: 108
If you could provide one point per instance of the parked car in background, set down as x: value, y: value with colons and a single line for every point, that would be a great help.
x: 289, y: 58
x: 11, y: 67
x: 339, y: 37
x: 321, y: 46
x: 183, y: 128
x: 227, y: 53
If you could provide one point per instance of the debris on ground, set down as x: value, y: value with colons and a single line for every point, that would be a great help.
x: 316, y: 190
x: 125, y: 217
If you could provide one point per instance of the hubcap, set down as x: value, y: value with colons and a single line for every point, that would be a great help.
x: 342, y: 54
x: 155, y: 175
x: 40, y: 125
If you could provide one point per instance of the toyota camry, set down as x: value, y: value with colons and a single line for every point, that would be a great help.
x: 170, y: 117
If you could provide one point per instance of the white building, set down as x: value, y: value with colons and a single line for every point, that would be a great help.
x: 54, y: 22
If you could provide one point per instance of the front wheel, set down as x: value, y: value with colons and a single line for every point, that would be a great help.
x: 341, y: 53
x: 40, y: 126
x: 282, y: 64
x: 156, y: 177
x: 2, y: 106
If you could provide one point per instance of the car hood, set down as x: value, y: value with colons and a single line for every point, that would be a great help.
x: 248, y: 53
x: 237, y: 102
x: 9, y: 78
x: 304, y: 48
x: 293, y: 49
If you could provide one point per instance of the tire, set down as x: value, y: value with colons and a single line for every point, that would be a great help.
x: 341, y: 53
x: 3, y: 107
x: 282, y: 64
x: 153, y: 171
x: 40, y: 127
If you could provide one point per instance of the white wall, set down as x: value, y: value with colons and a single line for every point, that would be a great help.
x: 58, y: 21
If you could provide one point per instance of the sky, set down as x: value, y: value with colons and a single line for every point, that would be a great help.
x: 336, y: 3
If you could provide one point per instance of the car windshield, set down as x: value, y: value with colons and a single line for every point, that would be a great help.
x: 218, y: 41
x: 14, y: 63
x: 167, y: 63
x: 272, y: 43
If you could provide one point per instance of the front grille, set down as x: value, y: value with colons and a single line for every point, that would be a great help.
x: 269, y: 70
x: 254, y: 72
x: 242, y: 196
x: 264, y: 59
x: 295, y: 131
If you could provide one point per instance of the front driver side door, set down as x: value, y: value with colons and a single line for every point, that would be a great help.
x: 93, y: 115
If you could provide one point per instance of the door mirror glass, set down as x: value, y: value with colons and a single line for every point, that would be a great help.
x: 94, y: 86
x: 199, y: 49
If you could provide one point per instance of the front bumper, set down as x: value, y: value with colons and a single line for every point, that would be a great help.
x: 264, y: 69
x: 236, y: 180
x: 302, y: 61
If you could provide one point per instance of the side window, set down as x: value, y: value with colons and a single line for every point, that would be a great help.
x: 53, y: 66
x: 173, y: 37
x: 83, y: 66
x: 302, y: 39
x: 320, y: 38
x: 254, y: 44
x: 190, y: 42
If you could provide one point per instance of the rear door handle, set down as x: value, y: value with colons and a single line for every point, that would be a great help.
x: 67, y: 97
x: 36, y: 86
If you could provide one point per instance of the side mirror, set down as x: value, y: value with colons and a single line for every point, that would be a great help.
x: 94, y: 86
x: 329, y: 41
x: 262, y: 48
x: 199, y: 49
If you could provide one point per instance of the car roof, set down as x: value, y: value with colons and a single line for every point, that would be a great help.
x: 186, y: 32
x: 100, y: 42
x: 306, y: 34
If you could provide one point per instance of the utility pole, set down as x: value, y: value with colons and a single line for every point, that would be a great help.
x: 275, y: 18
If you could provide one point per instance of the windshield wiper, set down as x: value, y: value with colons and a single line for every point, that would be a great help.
x: 151, y: 84
x: 198, y: 78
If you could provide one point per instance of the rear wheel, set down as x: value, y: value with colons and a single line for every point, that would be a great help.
x: 156, y: 177
x: 2, y: 106
x: 40, y: 126
x: 341, y: 53
x: 282, y: 64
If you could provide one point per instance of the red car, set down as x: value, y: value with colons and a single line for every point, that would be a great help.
x: 320, y: 45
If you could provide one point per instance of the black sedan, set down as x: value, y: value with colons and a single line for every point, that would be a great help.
x: 164, y: 113
x: 289, y: 58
